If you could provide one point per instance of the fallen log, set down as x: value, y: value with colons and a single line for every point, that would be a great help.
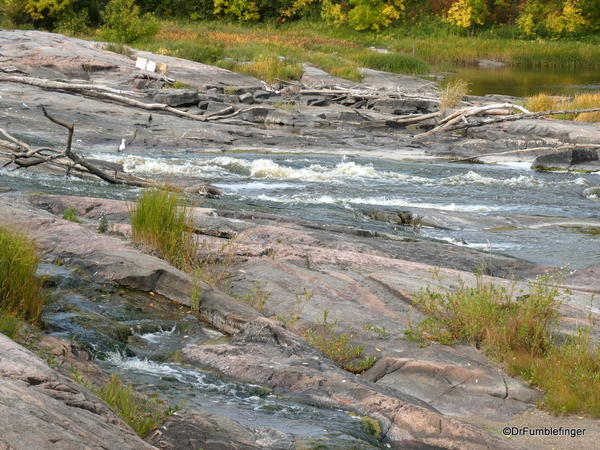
x: 119, y: 96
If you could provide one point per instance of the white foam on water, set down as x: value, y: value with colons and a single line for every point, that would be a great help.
x: 135, y: 364
x: 156, y: 337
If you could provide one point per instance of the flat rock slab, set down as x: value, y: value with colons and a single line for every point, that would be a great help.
x: 41, y: 409
x: 215, y: 432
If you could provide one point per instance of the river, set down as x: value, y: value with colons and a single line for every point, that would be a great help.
x: 330, y: 189
x: 526, y: 82
x: 337, y: 190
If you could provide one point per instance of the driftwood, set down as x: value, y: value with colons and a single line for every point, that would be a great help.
x: 22, y: 155
x: 107, y: 93
x: 458, y: 120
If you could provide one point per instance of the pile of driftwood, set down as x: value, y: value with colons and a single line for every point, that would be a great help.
x: 22, y: 155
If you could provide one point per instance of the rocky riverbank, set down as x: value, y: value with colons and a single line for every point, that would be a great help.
x: 355, y: 279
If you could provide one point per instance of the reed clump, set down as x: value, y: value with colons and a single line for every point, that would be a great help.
x: 162, y: 221
x: 452, y: 93
x: 20, y: 289
x: 545, y: 102
x: 519, y: 331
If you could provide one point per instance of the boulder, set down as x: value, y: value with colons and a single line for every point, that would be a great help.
x: 572, y: 159
x: 247, y: 98
x: 175, y: 97
x: 194, y: 430
x: 261, y: 95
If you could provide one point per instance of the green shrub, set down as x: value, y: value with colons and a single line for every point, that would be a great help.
x: 71, y: 214
x: 487, y: 316
x: 20, y: 289
x: 123, y: 23
x: 161, y: 220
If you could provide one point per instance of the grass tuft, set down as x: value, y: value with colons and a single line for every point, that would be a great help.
x: 20, y: 288
x: 545, y: 102
x: 452, y: 93
x: 162, y: 220
x: 139, y: 411
x: 71, y: 214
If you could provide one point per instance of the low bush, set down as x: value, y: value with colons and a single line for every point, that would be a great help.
x: 520, y: 331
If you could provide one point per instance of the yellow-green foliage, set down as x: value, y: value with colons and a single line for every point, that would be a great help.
x: 486, y: 315
x: 568, y: 373
x: 544, y: 102
x: 20, y: 289
x: 162, y: 220
x: 467, y: 13
x: 555, y: 19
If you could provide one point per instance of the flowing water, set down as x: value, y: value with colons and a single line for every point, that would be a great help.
x: 336, y: 190
x: 339, y: 190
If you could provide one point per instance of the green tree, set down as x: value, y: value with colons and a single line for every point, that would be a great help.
x: 123, y: 22
x: 363, y: 14
x: 556, y: 19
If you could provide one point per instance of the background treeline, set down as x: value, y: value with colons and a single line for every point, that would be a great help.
x: 127, y: 20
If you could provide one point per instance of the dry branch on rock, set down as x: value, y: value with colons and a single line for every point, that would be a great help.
x: 23, y: 155
x: 459, y: 119
x: 119, y: 96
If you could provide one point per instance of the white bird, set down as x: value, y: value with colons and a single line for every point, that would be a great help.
x: 122, y: 146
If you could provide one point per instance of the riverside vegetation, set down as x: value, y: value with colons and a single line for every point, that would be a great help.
x: 270, y: 40
x: 520, y: 332
x: 21, y: 302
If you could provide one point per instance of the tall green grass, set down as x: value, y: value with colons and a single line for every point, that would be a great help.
x: 520, y: 331
x: 161, y: 220
x: 20, y: 288
x: 139, y: 411
x: 392, y: 62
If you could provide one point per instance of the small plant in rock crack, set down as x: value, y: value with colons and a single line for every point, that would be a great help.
x: 336, y: 346
x: 71, y: 214
x: 102, y: 223
x: 257, y: 298
x: 301, y: 301
x: 381, y: 331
